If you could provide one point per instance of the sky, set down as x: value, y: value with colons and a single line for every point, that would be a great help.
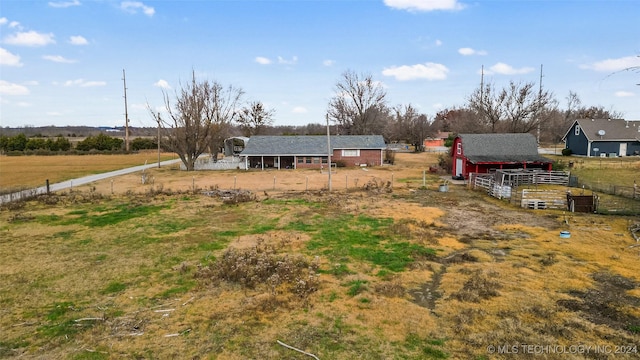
x: 62, y: 61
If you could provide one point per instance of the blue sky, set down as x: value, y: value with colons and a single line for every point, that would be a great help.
x: 61, y: 62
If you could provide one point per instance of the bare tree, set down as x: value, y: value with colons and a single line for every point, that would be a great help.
x: 489, y: 106
x: 254, y: 118
x: 515, y: 108
x: 358, y: 107
x: 198, y: 120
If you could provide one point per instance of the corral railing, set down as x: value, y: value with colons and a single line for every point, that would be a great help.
x: 541, y: 199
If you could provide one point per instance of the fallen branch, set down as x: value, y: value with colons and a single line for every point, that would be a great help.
x: 298, y: 350
x: 188, y: 301
x: 164, y: 310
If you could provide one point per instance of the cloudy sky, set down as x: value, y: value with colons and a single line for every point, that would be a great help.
x: 62, y: 62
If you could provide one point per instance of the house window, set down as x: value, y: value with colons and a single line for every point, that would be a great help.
x: 459, y: 149
x: 300, y: 159
x: 308, y: 160
x: 577, y: 132
x: 350, y: 152
x: 316, y: 160
x: 324, y: 159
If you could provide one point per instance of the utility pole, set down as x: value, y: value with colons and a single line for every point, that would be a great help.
x: 539, y: 112
x: 126, y: 114
x: 158, y: 118
x: 329, y: 150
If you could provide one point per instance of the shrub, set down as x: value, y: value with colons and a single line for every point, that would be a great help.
x: 566, y: 152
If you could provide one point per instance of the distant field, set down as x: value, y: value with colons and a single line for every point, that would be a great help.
x: 20, y: 172
x: 622, y: 171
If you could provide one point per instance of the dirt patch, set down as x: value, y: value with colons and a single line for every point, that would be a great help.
x: 602, y: 305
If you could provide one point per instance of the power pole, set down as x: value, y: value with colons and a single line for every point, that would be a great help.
x: 329, y: 150
x: 158, y: 140
x: 126, y: 114
x: 539, y: 106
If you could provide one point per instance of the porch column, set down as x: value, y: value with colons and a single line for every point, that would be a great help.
x: 278, y: 162
x: 262, y: 162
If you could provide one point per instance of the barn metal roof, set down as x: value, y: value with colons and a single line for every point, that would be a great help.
x: 516, y: 148
x: 312, y: 145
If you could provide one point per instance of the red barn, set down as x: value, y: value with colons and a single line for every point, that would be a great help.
x: 483, y: 153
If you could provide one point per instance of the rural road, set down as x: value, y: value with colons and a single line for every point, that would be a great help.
x: 79, y: 181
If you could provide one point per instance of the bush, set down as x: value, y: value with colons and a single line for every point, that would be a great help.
x: 566, y: 152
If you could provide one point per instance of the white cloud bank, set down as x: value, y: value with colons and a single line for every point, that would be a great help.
x: 611, y: 65
x: 132, y: 7
x: 163, y: 84
x: 64, y: 4
x: 466, y: 51
x: 58, y: 59
x: 428, y: 71
x: 624, y: 94
x: 7, y: 88
x: 9, y: 59
x: 262, y: 60
x: 505, y: 69
x: 84, y: 83
x: 78, y: 40
x: 29, y: 38
x: 424, y: 5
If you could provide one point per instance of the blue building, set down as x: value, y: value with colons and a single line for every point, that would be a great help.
x: 603, y: 137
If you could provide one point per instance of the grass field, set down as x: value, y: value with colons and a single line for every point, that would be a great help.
x: 409, y: 274
x: 23, y: 172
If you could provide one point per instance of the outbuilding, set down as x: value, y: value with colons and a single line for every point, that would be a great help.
x: 484, y: 153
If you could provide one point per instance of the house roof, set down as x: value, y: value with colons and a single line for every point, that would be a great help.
x: 516, y: 148
x: 614, y: 129
x: 314, y: 145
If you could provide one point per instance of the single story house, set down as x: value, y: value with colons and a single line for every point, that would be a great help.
x: 603, y: 137
x: 311, y: 151
x: 484, y: 153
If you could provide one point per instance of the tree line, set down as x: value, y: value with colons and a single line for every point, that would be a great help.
x: 201, y: 114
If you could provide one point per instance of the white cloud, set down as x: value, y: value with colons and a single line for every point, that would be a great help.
x: 30, y: 38
x: 328, y: 62
x: 132, y: 7
x: 438, y: 42
x: 9, y: 59
x: 84, y: 83
x: 611, y: 65
x: 78, y: 40
x: 466, y: 51
x: 424, y: 5
x: 293, y: 60
x: 3, y: 20
x: 162, y: 84
x: 262, y: 60
x: 64, y: 4
x: 624, y: 94
x: 429, y: 71
x: 7, y: 88
x: 58, y: 59
x: 299, y: 110
x: 505, y: 69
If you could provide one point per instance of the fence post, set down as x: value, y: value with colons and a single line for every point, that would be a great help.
x: 274, y: 183
x: 47, y: 186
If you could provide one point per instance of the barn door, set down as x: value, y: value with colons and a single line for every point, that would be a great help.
x: 459, y: 171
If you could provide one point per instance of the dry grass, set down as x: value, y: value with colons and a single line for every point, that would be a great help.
x: 21, y: 172
x: 101, y: 276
